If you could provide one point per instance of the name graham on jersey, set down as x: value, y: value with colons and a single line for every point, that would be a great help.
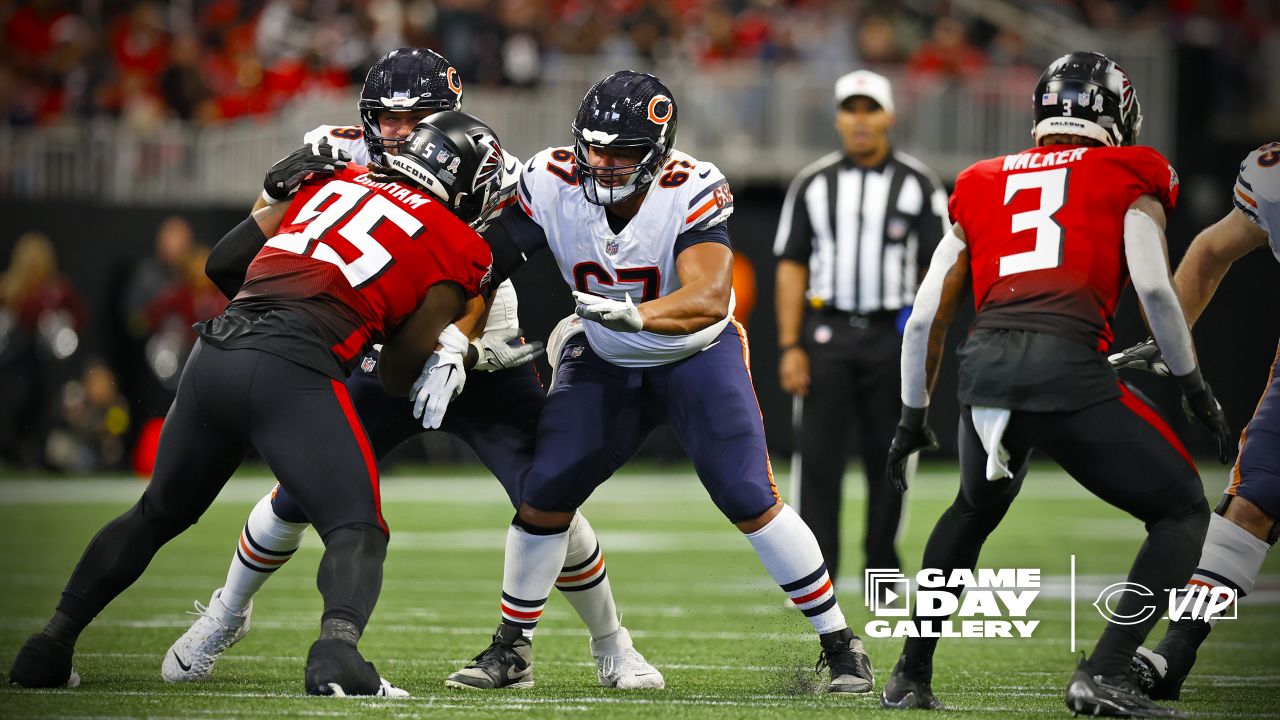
x: 396, y: 190
x: 1032, y: 161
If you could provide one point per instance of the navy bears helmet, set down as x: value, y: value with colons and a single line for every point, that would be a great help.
x: 403, y: 80
x: 457, y: 158
x: 625, y: 110
x: 1087, y: 94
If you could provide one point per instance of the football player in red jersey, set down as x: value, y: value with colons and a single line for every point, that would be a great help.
x: 355, y: 259
x: 1050, y: 237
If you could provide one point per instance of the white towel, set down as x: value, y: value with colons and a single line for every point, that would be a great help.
x: 991, y: 423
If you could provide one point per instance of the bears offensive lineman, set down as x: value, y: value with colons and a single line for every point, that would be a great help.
x: 1243, y: 528
x: 496, y: 415
x: 638, y: 230
x: 1051, y: 236
x: 357, y: 260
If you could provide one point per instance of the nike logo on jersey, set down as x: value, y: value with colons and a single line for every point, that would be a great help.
x: 704, y: 173
x: 185, y: 666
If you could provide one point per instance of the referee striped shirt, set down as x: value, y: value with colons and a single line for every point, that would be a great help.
x: 865, y: 233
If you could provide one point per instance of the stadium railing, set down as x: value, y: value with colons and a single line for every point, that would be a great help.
x: 761, y: 123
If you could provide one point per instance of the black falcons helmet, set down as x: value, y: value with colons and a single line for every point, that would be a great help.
x: 1086, y: 93
x: 457, y: 158
x: 405, y: 79
x: 629, y: 110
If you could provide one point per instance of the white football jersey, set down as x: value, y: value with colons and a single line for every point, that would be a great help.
x: 503, y: 313
x: 1257, y: 191
x: 640, y: 261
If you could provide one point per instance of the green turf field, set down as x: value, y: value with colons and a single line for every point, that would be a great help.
x: 691, y: 591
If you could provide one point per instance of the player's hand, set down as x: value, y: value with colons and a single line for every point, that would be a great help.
x: 504, y: 349
x: 1144, y: 356
x: 441, y: 380
x: 912, y: 436
x: 613, y: 314
x: 284, y: 178
x: 1198, y: 402
x: 793, y: 371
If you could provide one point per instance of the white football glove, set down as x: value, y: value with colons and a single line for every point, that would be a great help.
x: 613, y: 314
x: 441, y: 380
x: 496, y: 352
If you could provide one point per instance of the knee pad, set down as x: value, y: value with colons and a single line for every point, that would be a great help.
x: 286, y: 508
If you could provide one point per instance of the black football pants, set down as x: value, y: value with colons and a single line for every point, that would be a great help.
x: 1122, y: 451
x: 854, y: 381
x: 302, y: 423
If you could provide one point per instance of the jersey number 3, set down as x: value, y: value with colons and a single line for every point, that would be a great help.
x: 1047, y: 252
x: 373, y: 259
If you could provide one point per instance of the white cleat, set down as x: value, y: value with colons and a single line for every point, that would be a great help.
x: 193, y: 655
x: 619, y: 665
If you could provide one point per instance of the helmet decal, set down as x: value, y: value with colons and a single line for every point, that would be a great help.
x: 455, y: 83
x: 660, y: 109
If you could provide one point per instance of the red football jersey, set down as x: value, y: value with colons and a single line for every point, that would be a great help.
x: 1045, y: 230
x: 354, y: 258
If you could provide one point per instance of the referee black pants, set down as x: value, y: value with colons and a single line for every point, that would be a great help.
x: 854, y: 381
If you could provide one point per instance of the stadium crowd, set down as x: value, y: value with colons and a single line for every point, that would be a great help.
x: 214, y: 60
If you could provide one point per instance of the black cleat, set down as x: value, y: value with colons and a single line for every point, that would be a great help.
x: 846, y: 659
x: 905, y: 693
x: 1161, y: 672
x: 44, y: 663
x: 336, y: 668
x: 1111, y: 696
x: 506, y: 663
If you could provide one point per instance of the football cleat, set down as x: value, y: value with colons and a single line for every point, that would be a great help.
x: 44, y: 663
x: 846, y: 660
x: 619, y: 665
x: 906, y: 693
x: 1111, y: 696
x: 506, y: 663
x: 1158, y: 676
x: 192, y: 656
x: 337, y: 669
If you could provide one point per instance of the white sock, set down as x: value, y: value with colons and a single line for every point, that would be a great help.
x: 266, y: 543
x: 529, y: 570
x: 1232, y: 557
x: 585, y: 583
x: 790, y: 553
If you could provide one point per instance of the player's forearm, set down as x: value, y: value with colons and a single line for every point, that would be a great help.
x: 925, y: 334
x: 258, y: 204
x: 687, y: 310
x: 1209, y: 258
x: 792, y: 281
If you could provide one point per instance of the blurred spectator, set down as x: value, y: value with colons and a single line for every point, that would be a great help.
x: 947, y: 51
x: 41, y: 321
x: 93, y: 419
x: 174, y: 244
x: 170, y: 314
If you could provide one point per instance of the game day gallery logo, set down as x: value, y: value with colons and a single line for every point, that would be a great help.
x: 996, y: 603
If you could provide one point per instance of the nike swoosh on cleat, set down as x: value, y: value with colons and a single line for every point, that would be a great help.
x: 185, y: 667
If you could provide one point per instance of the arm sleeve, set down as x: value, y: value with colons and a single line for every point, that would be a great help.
x: 1149, y: 270
x: 717, y: 234
x: 512, y: 238
x: 915, y: 337
x: 229, y: 260
x: 794, y: 240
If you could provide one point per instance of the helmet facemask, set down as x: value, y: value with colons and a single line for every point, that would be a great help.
x: 596, y: 181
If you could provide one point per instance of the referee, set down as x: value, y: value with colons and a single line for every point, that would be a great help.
x: 857, y: 230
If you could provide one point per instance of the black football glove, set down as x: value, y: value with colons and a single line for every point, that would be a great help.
x: 1144, y: 356
x: 911, y: 436
x: 1199, y: 403
x: 284, y: 178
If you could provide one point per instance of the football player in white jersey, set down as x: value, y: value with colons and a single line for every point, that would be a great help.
x: 496, y: 416
x: 638, y: 231
x: 1244, y: 525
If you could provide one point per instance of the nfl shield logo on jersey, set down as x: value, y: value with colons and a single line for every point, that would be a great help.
x: 611, y: 247
x: 368, y: 364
